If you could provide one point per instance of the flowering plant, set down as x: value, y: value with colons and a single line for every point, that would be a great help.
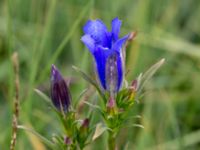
x: 108, y: 52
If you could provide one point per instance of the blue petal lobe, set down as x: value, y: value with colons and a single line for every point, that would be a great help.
x: 117, y: 46
x: 98, y: 31
x: 116, y: 24
x: 89, y: 42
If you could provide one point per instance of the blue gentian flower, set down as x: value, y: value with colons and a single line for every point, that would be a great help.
x: 106, y: 48
x: 60, y: 94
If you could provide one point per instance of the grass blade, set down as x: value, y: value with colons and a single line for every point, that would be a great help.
x: 43, y: 139
x: 65, y: 40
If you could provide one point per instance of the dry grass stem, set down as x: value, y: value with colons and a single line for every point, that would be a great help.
x: 16, y: 101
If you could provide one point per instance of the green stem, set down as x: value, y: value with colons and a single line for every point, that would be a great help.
x: 111, y: 141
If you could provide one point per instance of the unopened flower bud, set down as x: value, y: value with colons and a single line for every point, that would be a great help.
x: 85, y: 123
x: 85, y: 126
x: 134, y: 85
x: 111, y: 106
x: 83, y: 132
x: 67, y: 140
x: 132, y: 91
x: 60, y: 94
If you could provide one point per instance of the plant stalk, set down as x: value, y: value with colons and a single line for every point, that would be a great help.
x: 16, y: 101
x: 111, y: 141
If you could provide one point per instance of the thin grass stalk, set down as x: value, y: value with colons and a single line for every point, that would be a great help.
x: 58, y: 51
x: 16, y: 101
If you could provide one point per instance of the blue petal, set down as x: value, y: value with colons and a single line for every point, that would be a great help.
x: 116, y: 24
x: 100, y: 55
x: 120, y: 72
x: 114, y: 71
x: 117, y: 46
x: 98, y: 31
x: 89, y: 42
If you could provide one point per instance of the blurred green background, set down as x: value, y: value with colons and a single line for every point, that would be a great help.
x: 49, y: 31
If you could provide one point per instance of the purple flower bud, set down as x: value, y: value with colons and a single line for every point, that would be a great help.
x: 85, y: 126
x: 111, y: 103
x: 60, y: 94
x: 132, y: 92
x: 134, y: 85
x: 85, y: 123
x: 111, y: 106
x: 67, y: 140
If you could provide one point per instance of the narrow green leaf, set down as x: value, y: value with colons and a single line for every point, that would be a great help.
x: 80, y: 96
x: 92, y: 105
x: 90, y: 80
x: 138, y: 125
x: 46, y: 99
x: 149, y: 73
x: 43, y: 96
x: 134, y: 117
x: 42, y: 138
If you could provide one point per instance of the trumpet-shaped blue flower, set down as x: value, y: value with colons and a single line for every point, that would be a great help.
x: 106, y: 48
x: 60, y: 94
